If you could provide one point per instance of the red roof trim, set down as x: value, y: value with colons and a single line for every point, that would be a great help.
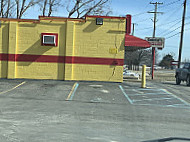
x: 132, y: 41
x: 109, y: 17
x: 59, y: 18
x: 19, y: 20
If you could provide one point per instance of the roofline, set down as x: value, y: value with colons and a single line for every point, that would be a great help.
x: 60, y: 18
x: 57, y: 17
x: 19, y: 20
x: 108, y: 17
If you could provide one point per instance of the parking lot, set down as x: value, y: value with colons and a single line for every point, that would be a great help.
x: 46, y: 111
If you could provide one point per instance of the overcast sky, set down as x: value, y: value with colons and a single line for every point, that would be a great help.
x: 168, y: 23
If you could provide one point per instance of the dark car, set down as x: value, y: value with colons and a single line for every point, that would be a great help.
x: 183, y: 74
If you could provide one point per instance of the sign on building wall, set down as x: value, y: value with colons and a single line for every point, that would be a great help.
x: 157, y: 42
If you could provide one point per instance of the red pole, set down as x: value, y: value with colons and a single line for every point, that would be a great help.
x: 153, y: 61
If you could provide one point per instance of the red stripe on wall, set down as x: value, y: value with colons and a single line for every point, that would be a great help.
x: 60, y: 59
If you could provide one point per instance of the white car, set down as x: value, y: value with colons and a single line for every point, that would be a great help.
x: 129, y: 74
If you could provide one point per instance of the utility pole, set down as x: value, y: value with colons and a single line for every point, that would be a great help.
x: 154, y: 34
x: 182, y: 32
x: 133, y: 31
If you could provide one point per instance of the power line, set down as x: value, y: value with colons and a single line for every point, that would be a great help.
x: 175, y: 29
x: 168, y: 4
x: 172, y: 35
x: 176, y: 34
x: 173, y: 12
x: 160, y: 25
x: 145, y: 12
x: 143, y: 20
x: 172, y: 31
x: 170, y: 27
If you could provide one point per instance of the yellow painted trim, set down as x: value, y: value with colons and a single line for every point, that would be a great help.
x: 12, y: 88
x: 68, y: 97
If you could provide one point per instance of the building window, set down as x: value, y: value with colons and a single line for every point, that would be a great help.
x: 99, y: 21
x: 49, y: 39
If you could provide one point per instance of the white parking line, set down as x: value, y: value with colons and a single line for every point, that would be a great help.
x: 155, y: 99
x: 130, y: 101
x: 163, y: 93
x: 72, y: 93
x: 175, y: 96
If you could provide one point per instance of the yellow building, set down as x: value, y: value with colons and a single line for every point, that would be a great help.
x: 63, y: 48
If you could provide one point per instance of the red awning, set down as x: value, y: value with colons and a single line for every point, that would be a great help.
x: 135, y: 42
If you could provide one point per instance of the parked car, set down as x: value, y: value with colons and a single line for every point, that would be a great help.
x: 157, y: 67
x: 183, y: 74
x: 129, y: 74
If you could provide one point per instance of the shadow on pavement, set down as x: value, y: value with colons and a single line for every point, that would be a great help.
x: 170, y: 83
x: 168, y: 139
x: 174, y: 84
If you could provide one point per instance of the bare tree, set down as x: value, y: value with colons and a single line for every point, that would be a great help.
x: 23, y: 5
x: 49, y: 6
x: 2, y: 8
x: 44, y: 7
x: 7, y: 7
x: 80, y: 8
x: 142, y: 56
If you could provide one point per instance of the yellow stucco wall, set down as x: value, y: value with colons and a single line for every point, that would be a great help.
x: 77, y: 38
x: 4, y: 35
x: 93, y: 40
x: 28, y: 44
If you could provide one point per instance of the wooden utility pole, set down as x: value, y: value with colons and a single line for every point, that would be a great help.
x: 182, y: 32
x: 154, y: 34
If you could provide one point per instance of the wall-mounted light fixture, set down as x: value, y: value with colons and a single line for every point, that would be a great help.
x: 99, y: 21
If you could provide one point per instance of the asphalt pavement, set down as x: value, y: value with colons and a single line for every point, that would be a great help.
x: 57, y: 111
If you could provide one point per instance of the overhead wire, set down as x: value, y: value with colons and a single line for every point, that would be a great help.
x: 164, y: 20
x: 175, y: 29
x: 168, y: 4
x: 173, y: 12
x: 172, y: 26
x: 177, y: 33
x: 160, y: 25
x: 172, y: 35
x: 171, y: 15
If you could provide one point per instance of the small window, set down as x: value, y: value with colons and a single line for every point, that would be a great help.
x: 99, y: 21
x: 49, y: 39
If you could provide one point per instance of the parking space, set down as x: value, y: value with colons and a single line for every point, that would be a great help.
x: 94, y: 92
x: 153, y: 96
x: 91, y: 92
x: 35, y: 89
x: 46, y: 111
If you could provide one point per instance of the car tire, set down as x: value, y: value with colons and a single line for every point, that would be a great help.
x: 178, y: 80
x: 188, y: 80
